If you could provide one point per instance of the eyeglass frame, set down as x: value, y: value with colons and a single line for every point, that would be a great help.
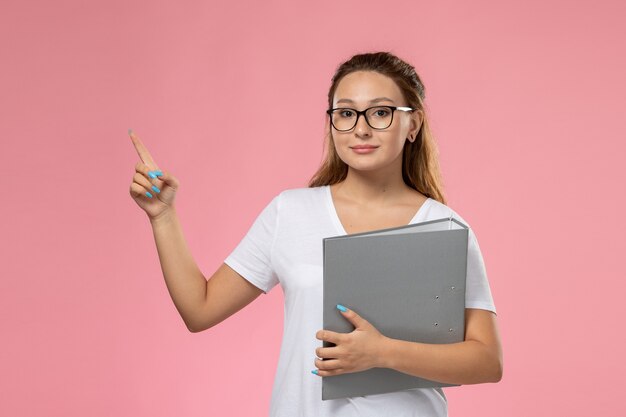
x: 362, y: 112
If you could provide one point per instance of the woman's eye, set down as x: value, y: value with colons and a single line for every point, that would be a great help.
x: 346, y: 113
x: 381, y: 113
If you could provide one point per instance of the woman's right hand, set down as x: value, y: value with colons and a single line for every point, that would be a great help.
x: 162, y: 200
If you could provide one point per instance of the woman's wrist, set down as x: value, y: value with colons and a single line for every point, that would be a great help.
x: 163, y: 218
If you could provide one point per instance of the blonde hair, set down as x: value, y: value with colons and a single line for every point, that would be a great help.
x: 420, y: 161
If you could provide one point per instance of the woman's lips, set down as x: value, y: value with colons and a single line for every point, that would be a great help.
x: 364, y: 150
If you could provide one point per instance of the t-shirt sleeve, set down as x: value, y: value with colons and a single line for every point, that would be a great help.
x: 477, y: 290
x: 252, y: 257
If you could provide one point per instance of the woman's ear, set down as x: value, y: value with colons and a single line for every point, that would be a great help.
x: 416, y: 124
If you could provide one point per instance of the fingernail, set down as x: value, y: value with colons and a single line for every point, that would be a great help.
x: 158, y: 172
x: 342, y: 308
x: 148, y: 194
x: 151, y: 174
x: 314, y: 371
x: 130, y: 131
x: 155, y: 188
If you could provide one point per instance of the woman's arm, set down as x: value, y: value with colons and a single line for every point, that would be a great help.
x: 202, y: 304
x: 476, y: 360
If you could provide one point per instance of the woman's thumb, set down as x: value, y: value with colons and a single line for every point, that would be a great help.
x: 167, y: 178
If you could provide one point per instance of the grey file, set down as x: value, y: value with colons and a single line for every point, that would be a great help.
x: 407, y: 281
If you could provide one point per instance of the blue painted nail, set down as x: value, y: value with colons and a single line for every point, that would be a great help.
x: 148, y: 194
x: 151, y: 174
x: 342, y: 308
x: 158, y: 172
x: 130, y: 131
x: 155, y: 188
x: 314, y: 371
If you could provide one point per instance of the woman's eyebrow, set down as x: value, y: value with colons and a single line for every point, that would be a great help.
x: 376, y: 100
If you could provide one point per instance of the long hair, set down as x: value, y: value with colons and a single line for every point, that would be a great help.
x: 420, y: 162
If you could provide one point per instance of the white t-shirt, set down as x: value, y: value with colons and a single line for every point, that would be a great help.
x: 284, y: 245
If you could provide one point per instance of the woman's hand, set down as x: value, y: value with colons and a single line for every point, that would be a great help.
x: 356, y: 351
x: 165, y: 183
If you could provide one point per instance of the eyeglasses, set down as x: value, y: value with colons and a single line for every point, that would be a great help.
x: 379, y: 117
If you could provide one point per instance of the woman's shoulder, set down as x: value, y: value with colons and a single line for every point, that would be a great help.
x: 302, y: 193
x: 296, y: 198
x: 439, y: 210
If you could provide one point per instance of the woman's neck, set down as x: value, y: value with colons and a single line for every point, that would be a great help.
x: 369, y: 187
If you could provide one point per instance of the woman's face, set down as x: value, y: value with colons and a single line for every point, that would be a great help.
x: 363, y: 89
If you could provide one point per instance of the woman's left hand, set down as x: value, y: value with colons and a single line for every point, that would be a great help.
x: 356, y: 351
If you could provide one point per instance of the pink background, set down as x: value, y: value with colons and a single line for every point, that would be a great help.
x: 526, y: 100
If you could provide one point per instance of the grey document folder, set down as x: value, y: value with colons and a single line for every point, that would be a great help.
x: 408, y: 282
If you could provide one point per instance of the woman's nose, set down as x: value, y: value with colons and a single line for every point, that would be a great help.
x: 362, y: 128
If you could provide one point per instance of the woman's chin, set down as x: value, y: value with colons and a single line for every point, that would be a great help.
x: 364, y: 166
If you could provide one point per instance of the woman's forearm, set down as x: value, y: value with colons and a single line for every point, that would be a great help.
x: 463, y: 363
x: 185, y: 282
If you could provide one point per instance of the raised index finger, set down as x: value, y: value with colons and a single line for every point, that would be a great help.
x: 142, y: 151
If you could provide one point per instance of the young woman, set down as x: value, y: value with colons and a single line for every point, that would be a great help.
x: 380, y: 171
